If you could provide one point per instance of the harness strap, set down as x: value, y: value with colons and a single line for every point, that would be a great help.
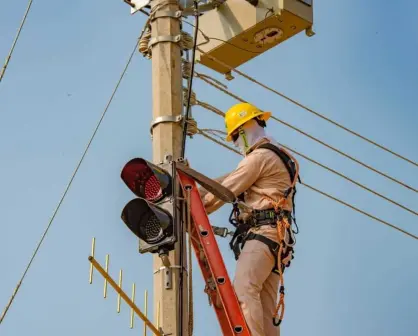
x: 238, y: 238
x: 272, y: 245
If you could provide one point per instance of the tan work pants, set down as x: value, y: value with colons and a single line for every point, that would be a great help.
x: 256, y: 287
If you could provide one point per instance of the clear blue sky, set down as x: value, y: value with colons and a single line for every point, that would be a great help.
x: 351, y: 275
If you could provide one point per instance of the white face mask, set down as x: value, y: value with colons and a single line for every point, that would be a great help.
x: 249, y: 135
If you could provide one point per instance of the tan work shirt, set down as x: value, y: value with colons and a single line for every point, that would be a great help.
x: 260, y: 173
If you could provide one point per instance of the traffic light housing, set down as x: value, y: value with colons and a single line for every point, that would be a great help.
x: 152, y: 216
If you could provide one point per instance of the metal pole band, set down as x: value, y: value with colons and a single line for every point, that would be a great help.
x: 165, y: 119
x: 164, y: 38
x: 171, y: 14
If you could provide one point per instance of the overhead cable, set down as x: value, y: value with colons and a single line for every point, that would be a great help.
x: 190, y: 82
x: 214, y: 131
x: 350, y: 180
x: 195, y: 101
x: 187, y: 130
x: 324, y: 193
x: 68, y: 186
x: 3, y: 70
x: 252, y: 79
x: 312, y: 137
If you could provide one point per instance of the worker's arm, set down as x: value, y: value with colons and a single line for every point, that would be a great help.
x: 243, y: 177
x: 203, y: 192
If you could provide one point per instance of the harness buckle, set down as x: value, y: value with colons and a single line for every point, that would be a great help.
x: 276, y: 248
x: 222, y: 231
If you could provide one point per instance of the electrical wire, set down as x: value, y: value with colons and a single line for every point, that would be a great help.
x: 9, y: 56
x: 190, y: 83
x: 214, y: 131
x: 69, y: 184
x: 324, y: 193
x: 183, y: 152
x: 350, y: 180
x: 312, y: 137
x: 252, y: 79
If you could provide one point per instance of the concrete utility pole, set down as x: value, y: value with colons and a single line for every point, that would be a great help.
x: 167, y: 98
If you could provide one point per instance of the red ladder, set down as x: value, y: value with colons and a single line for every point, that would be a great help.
x: 218, y: 285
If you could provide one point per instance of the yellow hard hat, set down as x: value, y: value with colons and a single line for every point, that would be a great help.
x: 239, y: 114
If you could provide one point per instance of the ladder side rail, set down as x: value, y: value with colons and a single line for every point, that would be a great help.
x: 214, y: 257
x: 212, y: 294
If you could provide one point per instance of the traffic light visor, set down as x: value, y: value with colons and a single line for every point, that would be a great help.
x: 147, y: 221
x: 147, y: 180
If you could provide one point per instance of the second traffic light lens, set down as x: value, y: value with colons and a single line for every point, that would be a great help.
x: 148, y: 222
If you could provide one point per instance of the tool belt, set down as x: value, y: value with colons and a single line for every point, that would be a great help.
x: 260, y: 218
x: 268, y: 217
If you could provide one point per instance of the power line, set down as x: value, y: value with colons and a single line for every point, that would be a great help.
x: 3, y: 70
x: 190, y: 84
x: 214, y: 131
x: 68, y: 186
x: 312, y: 137
x: 350, y: 180
x: 183, y: 151
x: 252, y: 79
x: 325, y: 194
x: 346, y: 155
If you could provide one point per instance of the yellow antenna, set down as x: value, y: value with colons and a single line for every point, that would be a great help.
x: 105, y: 280
x: 93, y: 245
x: 146, y: 311
x: 132, y: 311
x: 122, y: 295
x: 120, y: 286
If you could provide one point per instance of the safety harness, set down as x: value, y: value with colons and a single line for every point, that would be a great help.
x: 276, y: 217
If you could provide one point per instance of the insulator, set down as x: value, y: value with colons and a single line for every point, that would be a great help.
x: 193, y: 100
x: 191, y: 127
x: 186, y: 42
x: 143, y: 44
x: 187, y: 69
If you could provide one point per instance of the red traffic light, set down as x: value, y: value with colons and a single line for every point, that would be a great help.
x: 147, y: 180
x: 150, y: 223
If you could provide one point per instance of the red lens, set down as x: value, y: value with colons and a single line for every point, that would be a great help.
x: 146, y: 180
x: 152, y: 188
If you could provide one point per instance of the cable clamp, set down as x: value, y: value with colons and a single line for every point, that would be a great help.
x: 164, y: 38
x: 168, y: 275
x: 164, y: 267
x: 165, y: 119
x: 171, y: 14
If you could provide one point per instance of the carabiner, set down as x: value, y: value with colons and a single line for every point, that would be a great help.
x: 276, y: 321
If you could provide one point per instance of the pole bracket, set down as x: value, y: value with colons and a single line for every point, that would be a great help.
x: 164, y: 38
x: 164, y: 267
x: 165, y: 119
x: 168, y: 275
x: 169, y: 13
